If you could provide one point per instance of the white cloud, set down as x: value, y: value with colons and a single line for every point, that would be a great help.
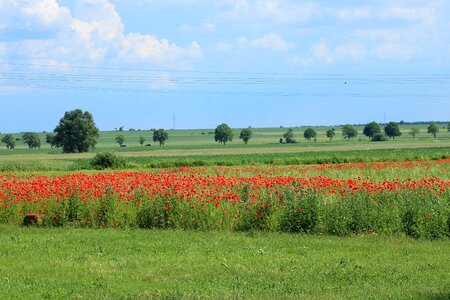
x: 44, y: 12
x: 273, y: 10
x: 222, y: 46
x: 322, y: 53
x: 393, y: 51
x: 92, y: 32
x: 426, y: 15
x: 138, y: 47
x: 269, y: 41
x: 351, y: 14
x: 203, y: 27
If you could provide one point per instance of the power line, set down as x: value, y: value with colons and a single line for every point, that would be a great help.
x: 223, y: 93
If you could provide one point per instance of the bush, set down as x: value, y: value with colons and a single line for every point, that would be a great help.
x: 107, y: 160
x: 379, y: 137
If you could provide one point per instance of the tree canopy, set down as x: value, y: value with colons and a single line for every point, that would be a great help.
x: 31, y: 139
x: 289, y: 136
x: 223, y: 134
x: 120, y: 139
x: 50, y: 139
x: 433, y: 129
x: 392, y: 130
x: 331, y: 133
x: 160, y: 136
x: 76, y: 132
x: 371, y: 129
x: 141, y: 140
x: 414, y: 131
x: 9, y: 140
x: 246, y: 135
x: 309, y: 134
x: 349, y: 132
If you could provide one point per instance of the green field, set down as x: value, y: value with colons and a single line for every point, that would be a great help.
x: 197, y: 147
x: 136, y: 264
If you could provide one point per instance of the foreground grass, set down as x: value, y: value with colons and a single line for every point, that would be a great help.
x: 95, y: 264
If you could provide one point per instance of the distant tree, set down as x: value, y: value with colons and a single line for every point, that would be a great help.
x: 371, y: 129
x: 309, y: 134
x: 349, y: 132
x: 76, y: 132
x: 50, y: 139
x: 9, y: 140
x: 392, y: 130
x: 246, y: 135
x: 223, y: 134
x: 160, y: 136
x: 331, y: 133
x: 141, y: 140
x: 289, y: 136
x: 433, y: 129
x: 414, y: 131
x: 31, y: 139
x: 120, y: 139
x: 448, y: 127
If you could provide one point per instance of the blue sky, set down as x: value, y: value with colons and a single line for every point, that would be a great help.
x: 258, y: 63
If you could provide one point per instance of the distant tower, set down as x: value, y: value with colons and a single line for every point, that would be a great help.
x: 384, y: 116
x: 174, y: 121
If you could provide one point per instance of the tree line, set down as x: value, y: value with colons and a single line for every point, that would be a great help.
x: 77, y: 132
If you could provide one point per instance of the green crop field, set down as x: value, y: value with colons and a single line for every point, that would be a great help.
x: 197, y: 147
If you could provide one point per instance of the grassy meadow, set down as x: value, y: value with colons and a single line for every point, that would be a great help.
x: 166, y: 264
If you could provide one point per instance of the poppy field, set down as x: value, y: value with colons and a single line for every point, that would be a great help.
x: 404, y: 197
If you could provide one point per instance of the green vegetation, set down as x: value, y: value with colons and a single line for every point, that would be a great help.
x: 9, y: 140
x: 106, y: 160
x: 141, y: 264
x: 76, y: 132
x: 160, y: 136
x: 246, y: 135
x: 120, y: 139
x: 309, y: 134
x: 433, y: 129
x: 392, y: 130
x: 349, y: 132
x: 371, y: 129
x: 223, y: 134
x: 31, y: 139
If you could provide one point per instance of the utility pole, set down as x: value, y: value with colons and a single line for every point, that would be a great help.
x: 173, y: 120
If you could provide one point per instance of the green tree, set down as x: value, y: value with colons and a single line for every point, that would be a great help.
x: 120, y: 139
x: 223, y: 134
x: 349, y: 132
x: 141, y: 140
x: 76, y: 132
x: 433, y: 129
x: 246, y: 135
x: 448, y: 127
x: 331, y: 133
x: 9, y: 140
x: 289, y: 136
x: 309, y: 134
x: 371, y: 129
x: 160, y: 136
x: 414, y: 131
x: 31, y: 139
x: 50, y: 139
x: 392, y: 130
